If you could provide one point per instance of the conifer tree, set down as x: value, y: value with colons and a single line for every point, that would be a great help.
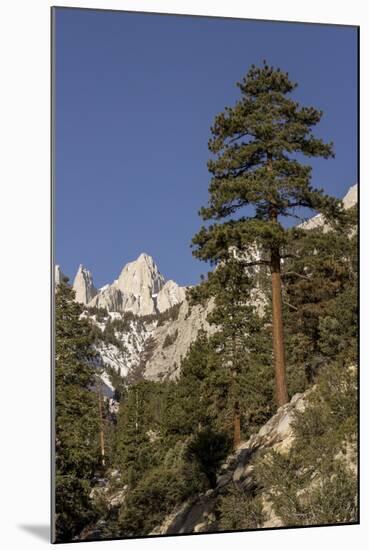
x: 139, y: 414
x: 76, y: 417
x: 238, y: 343
x: 257, y: 180
x: 185, y: 408
x: 320, y: 288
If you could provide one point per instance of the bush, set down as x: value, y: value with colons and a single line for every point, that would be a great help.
x: 208, y: 448
x: 238, y: 511
x: 157, y: 494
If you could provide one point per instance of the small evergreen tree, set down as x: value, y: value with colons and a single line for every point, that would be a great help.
x: 238, y: 343
x: 254, y: 165
x: 186, y: 409
x: 140, y: 414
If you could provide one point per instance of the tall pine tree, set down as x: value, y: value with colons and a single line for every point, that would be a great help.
x: 256, y: 147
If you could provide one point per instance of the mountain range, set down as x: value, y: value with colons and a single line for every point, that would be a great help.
x: 140, y: 289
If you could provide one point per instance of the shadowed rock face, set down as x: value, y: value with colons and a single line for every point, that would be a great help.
x: 111, y: 298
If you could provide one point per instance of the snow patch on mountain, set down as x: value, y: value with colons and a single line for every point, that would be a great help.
x: 124, y: 355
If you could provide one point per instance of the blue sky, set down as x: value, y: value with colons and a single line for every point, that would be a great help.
x: 136, y: 95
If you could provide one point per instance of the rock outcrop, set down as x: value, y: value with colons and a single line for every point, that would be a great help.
x: 141, y: 275
x: 110, y: 298
x: 170, y: 295
x: 83, y: 286
x: 140, y: 282
x: 58, y: 275
x: 181, y: 332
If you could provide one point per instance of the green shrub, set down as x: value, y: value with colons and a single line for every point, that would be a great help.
x: 208, y: 448
x: 239, y: 511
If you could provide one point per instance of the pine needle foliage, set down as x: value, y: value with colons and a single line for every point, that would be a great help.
x: 256, y: 145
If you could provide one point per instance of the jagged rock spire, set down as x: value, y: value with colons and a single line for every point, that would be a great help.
x: 140, y: 276
x: 83, y: 285
x: 140, y: 289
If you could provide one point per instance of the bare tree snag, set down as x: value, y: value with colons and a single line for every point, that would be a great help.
x: 278, y: 338
x: 102, y: 438
x: 236, y: 426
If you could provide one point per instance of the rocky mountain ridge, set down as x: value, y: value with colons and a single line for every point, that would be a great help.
x: 141, y: 293
x: 140, y: 289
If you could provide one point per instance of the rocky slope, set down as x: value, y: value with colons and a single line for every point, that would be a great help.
x: 197, y: 515
x: 173, y: 339
x: 154, y: 345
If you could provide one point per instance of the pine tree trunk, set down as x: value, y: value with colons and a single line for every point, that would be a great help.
x: 102, y: 439
x: 278, y: 339
x: 236, y: 426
